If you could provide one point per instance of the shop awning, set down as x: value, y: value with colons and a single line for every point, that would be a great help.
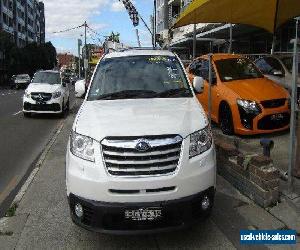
x: 266, y: 14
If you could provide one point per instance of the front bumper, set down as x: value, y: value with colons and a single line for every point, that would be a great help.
x: 110, y: 217
x: 52, y: 106
x: 270, y: 120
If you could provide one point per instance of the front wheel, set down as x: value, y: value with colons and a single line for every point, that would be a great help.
x: 225, y: 120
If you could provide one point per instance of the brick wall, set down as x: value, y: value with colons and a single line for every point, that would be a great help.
x: 253, y: 175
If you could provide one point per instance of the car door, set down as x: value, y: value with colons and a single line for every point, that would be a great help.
x: 201, y: 68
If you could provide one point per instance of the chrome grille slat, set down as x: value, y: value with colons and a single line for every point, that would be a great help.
x: 132, y: 169
x: 137, y: 162
x: 122, y: 159
x: 106, y: 152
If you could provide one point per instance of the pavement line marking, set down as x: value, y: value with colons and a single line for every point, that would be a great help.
x: 8, y: 188
x: 17, y: 113
x: 38, y: 165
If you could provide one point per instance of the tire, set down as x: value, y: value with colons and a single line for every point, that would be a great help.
x: 225, y: 119
x: 27, y: 115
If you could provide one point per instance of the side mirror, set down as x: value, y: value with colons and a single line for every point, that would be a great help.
x: 277, y: 73
x: 80, y: 88
x: 64, y: 84
x: 198, y: 84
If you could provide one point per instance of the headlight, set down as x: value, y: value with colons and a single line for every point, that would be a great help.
x: 249, y: 107
x: 56, y: 95
x: 200, y: 142
x: 82, y: 146
x: 27, y: 94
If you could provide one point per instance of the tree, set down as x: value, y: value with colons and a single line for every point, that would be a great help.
x: 114, y: 37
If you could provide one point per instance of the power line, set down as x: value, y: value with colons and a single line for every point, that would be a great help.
x: 66, y: 30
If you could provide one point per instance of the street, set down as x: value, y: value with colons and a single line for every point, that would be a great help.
x: 22, y: 140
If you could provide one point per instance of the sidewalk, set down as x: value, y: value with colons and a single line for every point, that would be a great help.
x: 42, y: 220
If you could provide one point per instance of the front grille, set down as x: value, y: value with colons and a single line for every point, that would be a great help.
x: 275, y: 121
x: 123, y: 159
x: 41, y: 97
x: 276, y: 103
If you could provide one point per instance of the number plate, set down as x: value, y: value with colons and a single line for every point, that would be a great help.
x: 277, y: 117
x: 144, y: 214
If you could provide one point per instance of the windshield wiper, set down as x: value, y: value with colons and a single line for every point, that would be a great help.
x: 181, y: 92
x: 127, y: 94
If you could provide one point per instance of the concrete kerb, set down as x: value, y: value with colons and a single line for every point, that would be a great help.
x: 37, y: 167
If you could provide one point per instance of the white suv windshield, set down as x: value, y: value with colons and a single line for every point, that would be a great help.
x: 139, y: 77
x: 47, y: 77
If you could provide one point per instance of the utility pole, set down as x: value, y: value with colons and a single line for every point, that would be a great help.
x: 86, y: 55
x: 230, y: 39
x: 194, y: 41
x: 138, y: 37
x: 79, y: 57
x: 293, y: 142
x: 154, y: 24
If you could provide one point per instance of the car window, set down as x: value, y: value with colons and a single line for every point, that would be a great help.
x: 232, y: 69
x: 201, y: 68
x: 274, y: 64
x: 47, y: 77
x: 141, y: 75
x: 288, y: 62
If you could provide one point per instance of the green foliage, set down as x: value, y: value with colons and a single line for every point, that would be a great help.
x: 114, y: 37
x: 12, y: 210
x: 29, y: 59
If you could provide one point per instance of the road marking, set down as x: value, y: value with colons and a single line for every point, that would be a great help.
x: 11, y: 185
x: 18, y: 113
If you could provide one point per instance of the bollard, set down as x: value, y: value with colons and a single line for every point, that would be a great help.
x: 267, y: 144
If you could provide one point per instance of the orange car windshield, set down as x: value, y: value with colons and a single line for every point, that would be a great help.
x: 233, y: 69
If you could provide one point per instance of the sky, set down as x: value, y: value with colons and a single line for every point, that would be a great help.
x: 103, y: 16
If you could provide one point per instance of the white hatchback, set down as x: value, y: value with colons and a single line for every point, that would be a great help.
x: 48, y: 93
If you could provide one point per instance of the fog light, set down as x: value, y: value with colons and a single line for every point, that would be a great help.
x: 78, y: 210
x: 205, y: 204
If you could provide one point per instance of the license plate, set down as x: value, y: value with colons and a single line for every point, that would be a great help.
x: 277, y: 117
x: 144, y: 214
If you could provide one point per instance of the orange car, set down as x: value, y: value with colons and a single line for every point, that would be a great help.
x: 243, y: 100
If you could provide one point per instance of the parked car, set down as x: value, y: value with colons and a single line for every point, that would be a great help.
x: 243, y: 100
x: 279, y: 69
x: 47, y: 93
x: 80, y: 88
x: 21, y: 81
x: 140, y: 148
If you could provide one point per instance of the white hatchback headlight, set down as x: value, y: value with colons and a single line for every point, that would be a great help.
x: 200, y: 142
x: 56, y: 94
x: 82, y: 146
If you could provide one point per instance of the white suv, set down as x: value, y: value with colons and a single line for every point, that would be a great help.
x: 47, y: 93
x: 141, y: 155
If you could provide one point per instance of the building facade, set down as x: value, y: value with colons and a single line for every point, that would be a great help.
x: 24, y: 20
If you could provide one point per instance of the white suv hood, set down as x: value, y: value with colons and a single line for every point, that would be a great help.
x: 43, y: 87
x: 140, y: 117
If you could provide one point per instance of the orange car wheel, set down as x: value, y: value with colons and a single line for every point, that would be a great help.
x: 225, y: 119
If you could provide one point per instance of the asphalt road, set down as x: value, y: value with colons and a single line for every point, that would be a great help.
x: 21, y: 142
